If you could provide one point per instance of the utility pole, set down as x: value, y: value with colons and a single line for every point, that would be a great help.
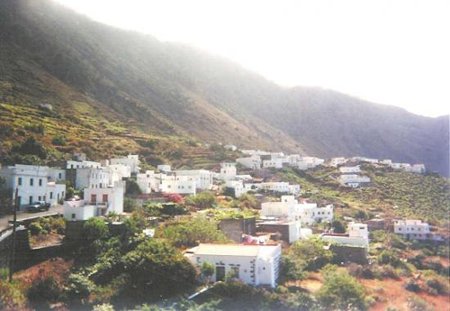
x: 15, y: 202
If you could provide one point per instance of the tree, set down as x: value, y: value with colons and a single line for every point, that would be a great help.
x: 203, y: 200
x: 190, y: 233
x: 158, y: 269
x: 338, y: 226
x: 207, y: 271
x: 95, y: 229
x: 340, y: 291
x: 310, y: 254
x: 132, y: 188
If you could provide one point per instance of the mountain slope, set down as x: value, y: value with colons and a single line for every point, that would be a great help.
x: 171, y: 89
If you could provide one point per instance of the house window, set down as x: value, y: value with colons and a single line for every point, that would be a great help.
x: 220, y: 273
x: 73, y: 216
x: 39, y: 198
x: 105, y: 198
x: 235, y: 272
x: 93, y: 198
x: 31, y: 182
x: 31, y: 199
x: 19, y: 201
x: 40, y: 182
x: 19, y: 181
x: 60, y: 176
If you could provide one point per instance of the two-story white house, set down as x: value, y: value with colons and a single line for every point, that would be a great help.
x: 256, y: 265
x: 107, y: 199
x: 147, y: 181
x: 35, y: 183
x: 412, y: 229
x: 358, y: 235
x: 227, y: 171
x: 350, y: 169
x: 203, y: 178
x: 252, y: 162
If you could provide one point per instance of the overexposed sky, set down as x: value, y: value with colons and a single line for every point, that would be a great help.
x: 394, y: 52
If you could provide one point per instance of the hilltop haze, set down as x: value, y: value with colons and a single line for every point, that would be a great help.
x: 51, y: 54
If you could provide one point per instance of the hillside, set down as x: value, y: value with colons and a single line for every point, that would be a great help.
x: 391, y: 193
x: 52, y: 55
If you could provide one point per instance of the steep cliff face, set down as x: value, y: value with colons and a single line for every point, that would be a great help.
x: 51, y: 54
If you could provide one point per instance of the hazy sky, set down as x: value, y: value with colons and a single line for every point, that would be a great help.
x: 393, y: 52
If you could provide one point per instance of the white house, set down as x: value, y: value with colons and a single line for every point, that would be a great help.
x: 252, y: 264
x: 94, y: 177
x: 230, y: 147
x: 118, y: 171
x: 109, y: 199
x: 77, y: 210
x: 290, y: 230
x: 147, y: 181
x: 358, y: 235
x: 335, y: 162
x: 418, y: 168
x: 412, y: 229
x: 165, y: 168
x: 237, y: 186
x: 304, y: 163
x: 35, y: 183
x: 227, y: 171
x: 273, y: 163
x: 289, y: 208
x: 353, y: 180
x: 176, y: 184
x: 82, y: 164
x: 310, y: 213
x: 253, y: 162
x: 203, y: 178
x: 280, y: 186
x: 131, y: 161
x: 350, y: 169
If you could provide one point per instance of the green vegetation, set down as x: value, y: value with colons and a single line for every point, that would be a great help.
x: 46, y: 225
x: 190, y: 232
x: 341, y: 291
x: 203, y: 200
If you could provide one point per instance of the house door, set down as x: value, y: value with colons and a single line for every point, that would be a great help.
x: 220, y: 273
x: 93, y: 198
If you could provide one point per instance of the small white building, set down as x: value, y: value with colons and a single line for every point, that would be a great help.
x: 78, y: 210
x: 237, y: 186
x: 164, y: 168
x: 252, y: 264
x: 227, y: 171
x: 418, y: 168
x: 176, y: 184
x: 92, y: 177
x: 118, y: 171
x: 147, y: 182
x: 412, y: 229
x: 353, y: 180
x: 280, y: 186
x: 335, y: 162
x: 304, y: 163
x: 230, y: 147
x: 203, y: 178
x: 131, y: 161
x: 273, y: 163
x: 358, y: 235
x: 350, y: 169
x: 289, y: 208
x: 252, y: 162
x: 82, y: 164
x: 35, y: 183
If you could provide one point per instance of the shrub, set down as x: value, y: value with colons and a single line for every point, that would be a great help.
x: 341, y: 291
x: 132, y: 188
x: 44, y: 290
x: 11, y: 296
x: 439, y: 286
x: 311, y: 252
x: 79, y: 286
x: 412, y: 286
x: 59, y: 140
x: 202, y: 200
x: 157, y: 269
x: 416, y: 303
x: 36, y: 228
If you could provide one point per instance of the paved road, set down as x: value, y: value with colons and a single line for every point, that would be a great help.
x: 58, y: 209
